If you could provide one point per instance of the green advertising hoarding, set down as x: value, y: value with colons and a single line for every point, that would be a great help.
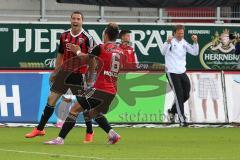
x: 140, y: 98
x: 34, y: 45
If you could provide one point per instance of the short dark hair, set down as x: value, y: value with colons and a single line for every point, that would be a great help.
x: 112, y: 31
x: 178, y: 27
x: 77, y: 12
x: 123, y: 32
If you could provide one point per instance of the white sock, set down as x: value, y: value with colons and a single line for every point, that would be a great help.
x: 111, y: 132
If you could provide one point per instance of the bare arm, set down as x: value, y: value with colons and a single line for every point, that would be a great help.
x: 91, y: 69
x: 58, y: 62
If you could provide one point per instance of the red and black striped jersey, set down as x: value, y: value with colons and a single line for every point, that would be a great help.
x: 86, y: 43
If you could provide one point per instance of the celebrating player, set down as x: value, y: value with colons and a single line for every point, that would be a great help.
x: 73, y: 42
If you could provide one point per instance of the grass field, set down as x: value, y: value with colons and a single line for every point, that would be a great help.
x: 136, y: 144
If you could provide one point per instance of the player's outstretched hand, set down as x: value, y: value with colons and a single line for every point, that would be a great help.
x: 74, y: 48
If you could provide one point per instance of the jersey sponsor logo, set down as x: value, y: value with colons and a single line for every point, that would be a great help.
x: 68, y: 47
x: 111, y: 74
x: 81, y: 40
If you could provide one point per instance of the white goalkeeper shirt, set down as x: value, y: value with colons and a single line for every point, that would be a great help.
x: 175, y: 55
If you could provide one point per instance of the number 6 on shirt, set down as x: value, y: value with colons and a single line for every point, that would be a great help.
x: 115, y: 62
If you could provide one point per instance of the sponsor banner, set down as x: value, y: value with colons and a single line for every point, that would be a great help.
x: 19, y: 97
x: 140, y: 98
x: 35, y: 45
x: 205, y: 104
x: 44, y: 96
x: 219, y: 53
x: 232, y: 81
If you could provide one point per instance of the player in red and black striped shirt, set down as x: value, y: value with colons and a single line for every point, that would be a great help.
x: 69, y: 73
x: 71, y: 44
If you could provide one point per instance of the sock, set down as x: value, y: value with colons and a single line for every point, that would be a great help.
x: 89, y: 127
x: 86, y: 116
x: 103, y: 123
x: 173, y: 109
x: 68, y: 125
x: 47, y: 113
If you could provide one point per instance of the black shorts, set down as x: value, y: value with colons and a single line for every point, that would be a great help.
x: 66, y: 80
x: 97, y: 99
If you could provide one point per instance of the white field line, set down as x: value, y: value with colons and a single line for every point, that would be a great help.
x: 107, y: 158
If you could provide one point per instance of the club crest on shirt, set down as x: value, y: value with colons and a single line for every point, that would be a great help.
x: 80, y: 40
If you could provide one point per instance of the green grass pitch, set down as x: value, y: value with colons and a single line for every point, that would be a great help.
x: 136, y: 144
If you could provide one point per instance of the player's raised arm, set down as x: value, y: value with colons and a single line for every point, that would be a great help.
x: 92, y: 62
x: 58, y: 62
x: 59, y: 58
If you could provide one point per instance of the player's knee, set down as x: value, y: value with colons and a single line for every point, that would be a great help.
x: 99, y: 116
x: 101, y: 111
x: 51, y: 101
x: 76, y: 108
x: 74, y: 113
x: 53, y: 98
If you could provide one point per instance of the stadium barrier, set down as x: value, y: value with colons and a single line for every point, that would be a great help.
x: 143, y: 97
